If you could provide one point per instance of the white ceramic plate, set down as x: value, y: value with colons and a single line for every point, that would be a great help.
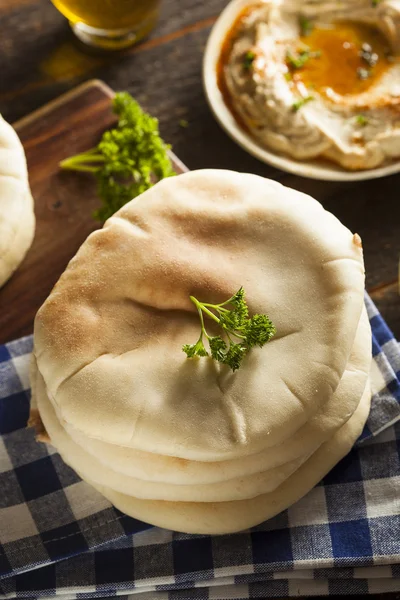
x: 315, y: 169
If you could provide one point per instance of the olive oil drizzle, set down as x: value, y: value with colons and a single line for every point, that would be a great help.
x: 352, y: 58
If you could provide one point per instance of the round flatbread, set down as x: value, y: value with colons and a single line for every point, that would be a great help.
x: 229, y: 517
x: 155, y: 467
x: 17, y: 220
x: 108, y: 340
x: 89, y: 467
x: 242, y: 486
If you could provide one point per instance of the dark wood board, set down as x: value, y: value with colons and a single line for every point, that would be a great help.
x: 64, y: 201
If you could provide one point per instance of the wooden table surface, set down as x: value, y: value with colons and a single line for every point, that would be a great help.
x: 39, y: 60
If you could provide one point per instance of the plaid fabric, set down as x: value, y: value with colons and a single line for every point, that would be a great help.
x: 342, y: 538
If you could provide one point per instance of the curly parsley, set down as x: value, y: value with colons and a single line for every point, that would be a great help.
x: 242, y: 332
x: 248, y: 60
x: 297, y: 61
x: 362, y: 120
x: 300, y: 103
x: 129, y: 159
x: 306, y: 26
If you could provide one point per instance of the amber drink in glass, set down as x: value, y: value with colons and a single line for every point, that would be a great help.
x: 110, y: 24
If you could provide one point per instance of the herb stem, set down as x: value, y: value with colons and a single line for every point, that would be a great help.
x: 91, y: 151
x: 203, y: 329
x: 75, y: 162
x: 227, y: 301
x: 235, y: 323
x: 242, y: 337
x: 82, y: 168
x: 200, y: 307
x: 217, y: 307
x: 86, y: 156
x: 90, y: 158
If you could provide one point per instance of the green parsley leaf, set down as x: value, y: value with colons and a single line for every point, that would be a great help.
x: 306, y: 26
x: 196, y: 349
x: 129, y: 159
x: 297, y: 61
x: 300, y: 103
x: 362, y: 120
x: 375, y: 3
x: 235, y: 323
x: 248, y: 60
x: 183, y: 123
x: 259, y: 330
x: 218, y: 348
x: 235, y: 355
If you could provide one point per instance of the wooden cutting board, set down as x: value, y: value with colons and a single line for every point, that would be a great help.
x: 64, y: 201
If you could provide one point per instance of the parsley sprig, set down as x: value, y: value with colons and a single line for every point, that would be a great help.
x: 248, y: 60
x: 242, y: 332
x: 129, y: 159
x: 306, y: 26
x: 362, y: 120
x: 297, y: 61
x: 298, y: 104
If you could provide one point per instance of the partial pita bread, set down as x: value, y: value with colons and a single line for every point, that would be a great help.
x: 17, y: 221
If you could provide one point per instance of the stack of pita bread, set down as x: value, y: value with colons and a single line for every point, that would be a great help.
x: 187, y: 444
x: 17, y: 220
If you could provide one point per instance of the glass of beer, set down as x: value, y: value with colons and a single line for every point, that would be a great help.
x: 110, y: 24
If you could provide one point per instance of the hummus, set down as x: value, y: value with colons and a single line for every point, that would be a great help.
x: 317, y: 78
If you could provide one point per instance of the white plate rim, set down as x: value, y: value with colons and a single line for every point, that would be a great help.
x: 310, y: 168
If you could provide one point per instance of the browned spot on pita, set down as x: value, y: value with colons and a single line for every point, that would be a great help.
x: 43, y: 437
x: 36, y: 422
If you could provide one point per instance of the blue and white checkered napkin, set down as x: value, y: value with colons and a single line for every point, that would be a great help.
x: 342, y: 538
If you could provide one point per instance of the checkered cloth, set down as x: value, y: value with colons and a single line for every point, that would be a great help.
x: 342, y: 538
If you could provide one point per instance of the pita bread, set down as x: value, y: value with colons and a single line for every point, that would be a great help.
x: 17, y: 221
x: 154, y: 467
x: 90, y: 468
x: 242, y: 485
x: 230, y: 517
x: 108, y: 339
